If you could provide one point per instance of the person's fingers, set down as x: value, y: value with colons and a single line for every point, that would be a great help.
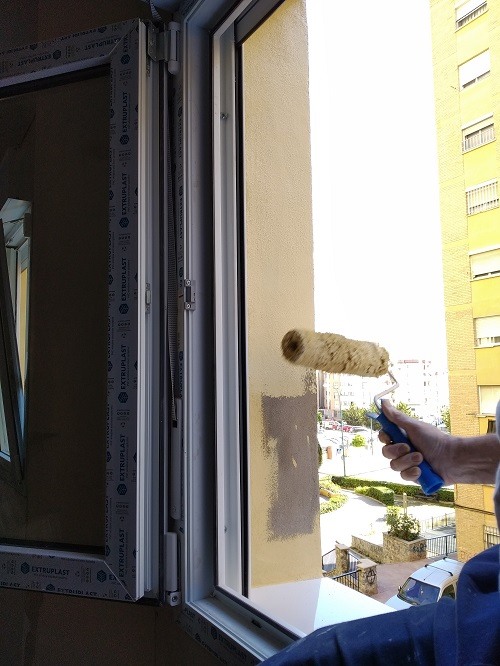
x: 384, y: 437
x: 406, y: 462
x: 393, y: 451
x: 411, y: 474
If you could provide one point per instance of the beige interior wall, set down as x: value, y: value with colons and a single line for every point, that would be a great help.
x: 285, y: 538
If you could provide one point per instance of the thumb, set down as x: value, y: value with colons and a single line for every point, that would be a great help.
x: 393, y: 414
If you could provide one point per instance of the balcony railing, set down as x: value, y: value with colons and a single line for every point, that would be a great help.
x: 482, y: 198
x: 479, y: 138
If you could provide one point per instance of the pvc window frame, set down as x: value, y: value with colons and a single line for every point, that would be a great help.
x: 128, y: 568
x: 215, y: 610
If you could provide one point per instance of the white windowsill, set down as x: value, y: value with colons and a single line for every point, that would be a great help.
x: 310, y: 604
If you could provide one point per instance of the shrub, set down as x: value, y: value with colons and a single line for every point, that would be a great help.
x: 382, y: 494
x: 358, y: 440
x: 401, y: 525
x: 326, y: 484
x: 443, y: 495
x: 335, y: 502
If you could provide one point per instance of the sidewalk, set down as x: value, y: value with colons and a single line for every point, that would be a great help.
x: 362, y: 515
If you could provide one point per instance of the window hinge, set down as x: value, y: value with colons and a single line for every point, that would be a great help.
x: 165, y: 45
x: 189, y: 295
x: 173, y: 595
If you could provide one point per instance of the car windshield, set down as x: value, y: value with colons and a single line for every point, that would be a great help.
x: 417, y: 593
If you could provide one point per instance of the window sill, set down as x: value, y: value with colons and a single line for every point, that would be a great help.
x: 233, y: 632
x: 310, y: 604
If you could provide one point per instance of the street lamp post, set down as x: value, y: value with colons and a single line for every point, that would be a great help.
x: 341, y: 429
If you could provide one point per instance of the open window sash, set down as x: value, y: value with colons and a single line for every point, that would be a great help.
x: 127, y: 569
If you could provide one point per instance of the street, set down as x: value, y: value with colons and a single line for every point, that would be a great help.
x: 363, y: 462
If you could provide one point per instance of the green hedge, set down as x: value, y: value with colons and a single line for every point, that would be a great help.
x: 380, y: 493
x: 327, y: 484
x: 443, y: 495
x: 335, y: 502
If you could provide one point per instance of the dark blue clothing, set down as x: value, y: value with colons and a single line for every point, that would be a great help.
x: 461, y: 632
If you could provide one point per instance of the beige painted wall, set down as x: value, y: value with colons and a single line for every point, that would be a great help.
x: 285, y: 538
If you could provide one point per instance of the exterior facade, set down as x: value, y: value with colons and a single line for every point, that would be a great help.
x: 422, y: 386
x: 466, y: 61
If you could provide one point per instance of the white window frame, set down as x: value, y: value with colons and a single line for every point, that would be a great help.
x: 474, y: 70
x: 128, y: 568
x: 215, y: 611
x: 468, y: 10
x: 221, y: 618
x: 485, y: 263
x: 478, y: 133
x: 491, y: 536
x: 487, y: 331
x: 482, y: 197
x: 488, y: 399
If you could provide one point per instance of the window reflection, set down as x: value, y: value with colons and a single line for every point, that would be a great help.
x: 15, y: 215
x: 54, y: 207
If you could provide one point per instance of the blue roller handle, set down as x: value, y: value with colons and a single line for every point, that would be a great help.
x: 428, y: 479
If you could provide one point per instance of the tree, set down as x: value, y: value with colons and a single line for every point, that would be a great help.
x: 401, y: 525
x: 354, y: 415
x: 406, y: 409
x: 445, y: 415
x: 372, y: 423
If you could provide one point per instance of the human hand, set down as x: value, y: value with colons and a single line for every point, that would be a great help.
x: 433, y: 445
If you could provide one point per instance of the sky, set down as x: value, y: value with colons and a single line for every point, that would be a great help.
x: 375, y: 181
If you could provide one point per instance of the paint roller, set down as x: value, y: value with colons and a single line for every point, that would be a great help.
x: 335, y: 353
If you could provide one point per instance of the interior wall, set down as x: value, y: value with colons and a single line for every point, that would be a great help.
x: 50, y: 629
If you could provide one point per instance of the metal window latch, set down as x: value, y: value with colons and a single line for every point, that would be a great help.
x: 165, y: 45
x: 189, y: 295
x: 147, y: 298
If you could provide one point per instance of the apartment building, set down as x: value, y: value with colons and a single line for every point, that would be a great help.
x: 422, y: 385
x: 466, y: 61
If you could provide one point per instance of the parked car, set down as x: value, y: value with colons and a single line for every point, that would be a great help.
x: 360, y: 430
x: 428, y: 584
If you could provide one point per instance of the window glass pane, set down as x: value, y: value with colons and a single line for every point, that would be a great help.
x: 284, y: 534
x: 54, y: 205
x: 488, y: 398
x: 313, y: 257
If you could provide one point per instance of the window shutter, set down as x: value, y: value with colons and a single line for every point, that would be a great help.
x: 488, y: 327
x: 485, y: 263
x: 474, y: 68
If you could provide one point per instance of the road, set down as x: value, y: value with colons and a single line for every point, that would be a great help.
x: 361, y: 462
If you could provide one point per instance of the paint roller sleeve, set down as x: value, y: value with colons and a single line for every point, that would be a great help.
x: 334, y: 353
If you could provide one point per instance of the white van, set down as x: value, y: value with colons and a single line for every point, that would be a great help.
x: 428, y: 584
